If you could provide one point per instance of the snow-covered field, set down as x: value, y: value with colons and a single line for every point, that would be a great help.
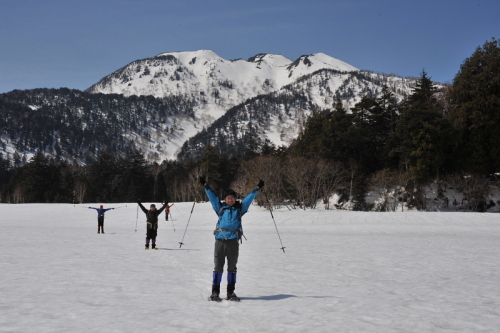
x: 342, y: 272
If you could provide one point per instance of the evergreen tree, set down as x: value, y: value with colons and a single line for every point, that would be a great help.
x: 39, y: 179
x: 210, y: 164
x: 362, y: 112
x: 252, y: 145
x: 389, y: 110
x: 136, y: 182
x: 268, y: 148
x: 102, y: 178
x: 315, y: 130
x: 475, y: 100
x: 4, y: 174
x: 422, y: 138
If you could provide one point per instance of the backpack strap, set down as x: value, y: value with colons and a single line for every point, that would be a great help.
x: 238, y: 231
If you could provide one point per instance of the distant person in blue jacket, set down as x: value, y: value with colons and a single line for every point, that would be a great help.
x: 100, y: 217
x: 227, y: 234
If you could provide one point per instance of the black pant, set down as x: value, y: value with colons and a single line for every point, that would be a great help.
x: 100, y: 221
x: 226, y: 248
x: 152, y: 232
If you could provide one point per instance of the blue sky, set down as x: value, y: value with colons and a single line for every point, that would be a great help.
x: 73, y: 44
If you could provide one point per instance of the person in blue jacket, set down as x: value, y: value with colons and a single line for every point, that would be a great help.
x: 227, y: 234
x: 100, y: 217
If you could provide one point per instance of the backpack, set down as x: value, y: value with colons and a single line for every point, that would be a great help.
x: 238, y: 231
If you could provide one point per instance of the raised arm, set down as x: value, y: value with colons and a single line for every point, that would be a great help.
x: 214, y: 200
x: 162, y: 208
x: 142, y: 207
x: 245, y: 203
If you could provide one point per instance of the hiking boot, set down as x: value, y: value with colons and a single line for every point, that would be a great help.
x: 147, y: 247
x: 214, y: 297
x: 231, y: 296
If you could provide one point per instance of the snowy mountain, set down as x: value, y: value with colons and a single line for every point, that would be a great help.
x: 220, y: 83
x: 217, y: 85
x: 174, y: 104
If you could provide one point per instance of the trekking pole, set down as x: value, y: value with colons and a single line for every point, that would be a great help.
x: 172, y: 219
x: 136, y: 218
x: 271, y: 210
x: 181, y: 242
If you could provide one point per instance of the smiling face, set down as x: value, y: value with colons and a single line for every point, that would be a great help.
x: 230, y: 200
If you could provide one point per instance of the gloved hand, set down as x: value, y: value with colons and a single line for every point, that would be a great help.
x: 203, y: 182
x: 260, y: 184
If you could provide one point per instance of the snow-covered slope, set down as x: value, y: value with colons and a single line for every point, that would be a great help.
x: 342, y: 271
x: 216, y: 85
x: 205, y: 73
x: 279, y: 116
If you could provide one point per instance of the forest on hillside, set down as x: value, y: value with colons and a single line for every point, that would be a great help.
x: 445, y: 137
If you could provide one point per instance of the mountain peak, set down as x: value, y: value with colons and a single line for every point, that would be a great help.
x: 188, y: 56
x: 270, y: 59
x: 320, y: 60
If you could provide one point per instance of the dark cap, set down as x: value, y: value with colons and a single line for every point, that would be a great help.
x: 229, y: 192
x: 153, y: 205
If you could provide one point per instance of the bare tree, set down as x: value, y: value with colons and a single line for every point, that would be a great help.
x: 352, y: 172
x: 474, y: 189
x: 80, y: 190
x: 300, y: 173
x: 331, y: 176
x: 156, y: 169
x: 387, y: 184
x: 267, y: 168
x: 193, y: 185
x: 18, y: 195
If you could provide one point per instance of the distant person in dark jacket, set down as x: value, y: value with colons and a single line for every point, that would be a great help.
x: 100, y: 217
x: 227, y: 234
x: 152, y: 223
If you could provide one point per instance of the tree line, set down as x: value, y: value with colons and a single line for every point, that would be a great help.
x: 446, y: 138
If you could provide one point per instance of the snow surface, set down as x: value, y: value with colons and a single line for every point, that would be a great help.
x: 342, y: 272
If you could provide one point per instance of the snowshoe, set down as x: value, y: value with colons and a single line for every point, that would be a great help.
x: 232, y: 297
x: 214, y: 297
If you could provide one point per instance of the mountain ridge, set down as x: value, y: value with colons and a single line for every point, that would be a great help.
x: 269, y: 94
